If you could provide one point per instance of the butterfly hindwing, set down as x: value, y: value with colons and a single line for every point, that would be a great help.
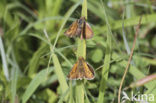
x: 88, y: 71
x: 88, y: 31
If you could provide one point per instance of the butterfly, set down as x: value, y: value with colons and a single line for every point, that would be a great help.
x: 80, y: 28
x: 81, y: 70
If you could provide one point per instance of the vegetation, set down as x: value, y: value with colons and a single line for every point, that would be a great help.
x: 36, y: 56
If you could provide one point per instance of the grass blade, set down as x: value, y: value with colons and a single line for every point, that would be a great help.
x: 34, y: 84
x: 63, y: 96
x: 14, y: 78
x: 81, y: 51
x: 59, y: 73
x: 105, y: 69
x: 58, y: 69
x: 129, y: 22
x: 4, y: 62
x: 79, y: 92
x: 71, y: 10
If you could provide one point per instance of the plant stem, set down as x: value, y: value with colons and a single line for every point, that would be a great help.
x: 81, y: 51
x: 129, y: 60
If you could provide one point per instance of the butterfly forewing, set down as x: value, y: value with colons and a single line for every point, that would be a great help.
x: 73, y: 72
x: 71, y: 32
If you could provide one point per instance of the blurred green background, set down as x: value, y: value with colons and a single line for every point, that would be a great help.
x: 30, y: 74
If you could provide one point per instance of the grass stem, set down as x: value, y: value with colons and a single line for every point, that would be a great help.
x: 81, y: 51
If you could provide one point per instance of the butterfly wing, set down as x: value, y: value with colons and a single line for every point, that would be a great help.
x: 88, y: 31
x: 71, y: 32
x: 73, y: 73
x: 88, y: 71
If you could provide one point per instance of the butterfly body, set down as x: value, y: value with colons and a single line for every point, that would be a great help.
x: 80, y: 28
x: 81, y: 70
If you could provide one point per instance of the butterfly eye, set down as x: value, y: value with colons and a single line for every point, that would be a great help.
x: 80, y: 21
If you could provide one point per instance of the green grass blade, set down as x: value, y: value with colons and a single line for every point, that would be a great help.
x: 14, y: 78
x: 79, y: 92
x: 58, y: 69
x: 84, y: 9
x: 60, y: 75
x: 33, y: 64
x: 152, y: 91
x: 81, y: 51
x: 70, y: 64
x: 138, y: 75
x: 105, y: 69
x: 124, y: 38
x: 4, y: 62
x: 134, y: 71
x: 86, y: 99
x: 63, y: 96
x: 52, y: 8
x: 68, y: 14
x: 57, y: 50
x: 34, y: 84
x: 71, y: 99
x: 148, y: 18
x: 81, y: 48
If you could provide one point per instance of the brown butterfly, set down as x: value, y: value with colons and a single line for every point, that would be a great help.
x: 80, y: 28
x: 81, y: 70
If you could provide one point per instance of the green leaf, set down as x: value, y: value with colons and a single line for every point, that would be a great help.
x: 97, y: 55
